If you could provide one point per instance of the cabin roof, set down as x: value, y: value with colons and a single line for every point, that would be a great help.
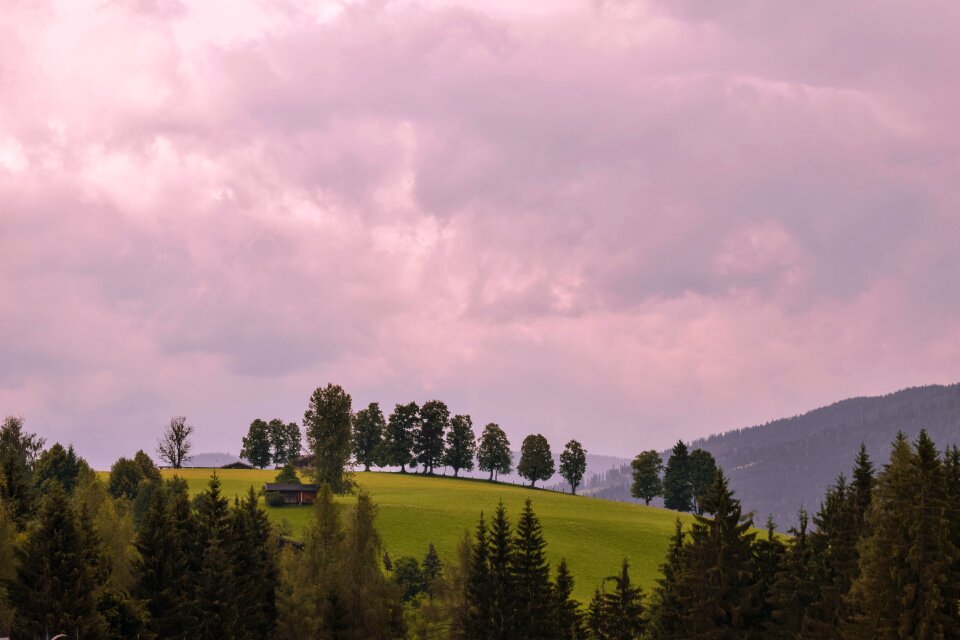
x: 279, y: 486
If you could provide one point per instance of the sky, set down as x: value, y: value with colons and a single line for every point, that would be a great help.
x: 618, y: 221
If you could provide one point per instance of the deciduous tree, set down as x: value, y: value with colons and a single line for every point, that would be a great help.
x: 256, y: 444
x: 461, y: 444
x: 646, y: 469
x: 536, y: 460
x: 573, y: 464
x: 285, y: 441
x: 327, y: 422
x: 398, y: 441
x: 174, y: 444
x: 493, y: 454
x: 368, y: 427
x: 428, y: 439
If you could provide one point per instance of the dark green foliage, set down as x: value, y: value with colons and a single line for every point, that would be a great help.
x: 368, y: 427
x: 461, y: 444
x: 769, y: 559
x: 906, y: 585
x: 712, y: 589
x: 536, y: 460
x: 284, y: 441
x: 493, y: 454
x: 147, y: 466
x: 478, y: 610
x: 256, y: 444
x: 677, y: 489
x: 646, y: 468
x: 428, y: 439
x: 327, y: 424
x: 62, y: 465
x: 254, y: 560
x: 502, y: 603
x: 595, y: 616
x: 622, y: 608
x: 164, y: 568
x: 530, y: 578
x: 573, y: 464
x: 409, y: 577
x: 124, y: 616
x: 125, y: 478
x: 18, y: 455
x: 174, y: 444
x: 8, y: 566
x: 288, y: 475
x: 863, y: 479
x: 702, y: 470
x: 55, y: 589
x: 566, y: 610
x: 398, y: 441
x: 432, y: 566
x: 794, y: 586
x: 215, y: 596
x: 666, y: 617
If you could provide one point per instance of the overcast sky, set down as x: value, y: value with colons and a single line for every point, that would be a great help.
x: 621, y: 222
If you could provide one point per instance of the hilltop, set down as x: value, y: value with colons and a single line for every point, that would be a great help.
x: 593, y: 535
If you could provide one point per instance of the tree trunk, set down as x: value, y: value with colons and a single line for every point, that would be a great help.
x: 366, y: 466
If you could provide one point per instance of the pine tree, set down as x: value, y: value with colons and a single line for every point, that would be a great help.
x: 456, y: 601
x: 622, y: 608
x: 530, y: 577
x: 428, y: 439
x: 215, y: 596
x: 862, y: 487
x: 461, y: 444
x: 794, y: 587
x: 677, y: 487
x: 478, y: 610
x: 566, y: 610
x: 398, y: 439
x: 432, y: 568
x: 769, y: 558
x: 501, y: 582
x: 255, y: 561
x: 163, y: 570
x: 595, y: 616
x: 952, y: 491
x: 368, y: 427
x: 55, y: 589
x: 702, y: 468
x: 717, y: 589
x: 907, y: 560
x: 667, y: 609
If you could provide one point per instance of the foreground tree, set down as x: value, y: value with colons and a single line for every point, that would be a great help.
x: 327, y: 424
x: 908, y: 569
x: 530, y: 578
x: 18, y: 456
x: 677, y: 489
x: 622, y: 609
x: 493, y: 454
x: 368, y: 427
x: 536, y: 460
x: 284, y: 441
x: 174, y: 444
x: 573, y: 464
x: 646, y: 468
x: 428, y: 439
x: 254, y: 557
x: 461, y: 444
x: 256, y: 444
x: 703, y: 467
x: 55, y: 590
x: 216, y: 598
x: 398, y: 440
x: 62, y: 465
x: 566, y: 610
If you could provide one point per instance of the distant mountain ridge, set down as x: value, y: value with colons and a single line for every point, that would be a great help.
x: 781, y: 465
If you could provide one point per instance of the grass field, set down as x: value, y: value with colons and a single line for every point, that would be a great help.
x: 593, y: 535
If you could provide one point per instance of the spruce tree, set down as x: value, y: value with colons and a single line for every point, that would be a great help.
x: 255, y: 564
x: 428, y: 439
x: 8, y: 566
x: 55, y: 590
x: 368, y: 428
x: 622, y: 608
x: 501, y: 582
x: 461, y: 444
x: 702, y: 468
x: 566, y: 610
x: 594, y: 621
x: 163, y: 570
x: 478, y: 613
x: 432, y: 568
x: 794, y: 586
x: 530, y: 577
x: 717, y: 588
x: 862, y: 486
x: 667, y: 609
x: 677, y: 487
x: 769, y: 559
x: 216, y: 598
x: 18, y: 453
x: 908, y: 558
x: 398, y: 439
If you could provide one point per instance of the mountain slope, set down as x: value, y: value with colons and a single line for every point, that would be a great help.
x: 780, y: 466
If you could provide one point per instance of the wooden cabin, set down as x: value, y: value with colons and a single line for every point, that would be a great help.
x: 293, y: 493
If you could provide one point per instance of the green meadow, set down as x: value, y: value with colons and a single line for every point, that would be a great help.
x: 593, y: 535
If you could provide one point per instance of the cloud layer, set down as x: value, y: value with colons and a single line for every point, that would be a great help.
x: 623, y: 222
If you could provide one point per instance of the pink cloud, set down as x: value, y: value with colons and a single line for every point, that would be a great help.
x: 620, y: 221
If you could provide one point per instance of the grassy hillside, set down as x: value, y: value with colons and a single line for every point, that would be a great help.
x: 593, y: 535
